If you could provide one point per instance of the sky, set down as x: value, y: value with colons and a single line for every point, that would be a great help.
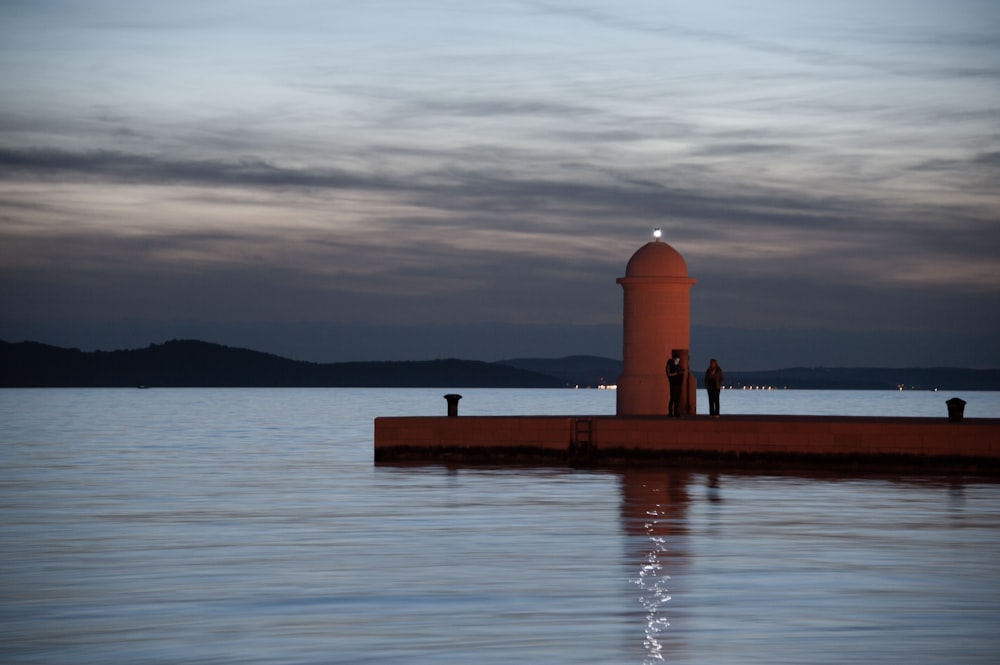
x: 416, y: 179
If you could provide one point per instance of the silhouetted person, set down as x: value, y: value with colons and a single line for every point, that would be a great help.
x: 713, y: 384
x: 675, y: 375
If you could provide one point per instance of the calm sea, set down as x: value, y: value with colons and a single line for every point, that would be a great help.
x: 251, y: 526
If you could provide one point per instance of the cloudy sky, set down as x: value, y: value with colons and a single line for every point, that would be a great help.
x: 411, y: 179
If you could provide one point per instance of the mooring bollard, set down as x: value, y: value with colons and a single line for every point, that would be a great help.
x: 956, y: 409
x: 452, y: 404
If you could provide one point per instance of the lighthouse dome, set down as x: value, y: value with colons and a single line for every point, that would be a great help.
x: 656, y: 259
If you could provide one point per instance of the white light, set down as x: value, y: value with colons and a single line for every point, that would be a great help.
x: 657, y: 233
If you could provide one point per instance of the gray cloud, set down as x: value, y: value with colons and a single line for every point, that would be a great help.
x: 740, y: 149
x: 122, y: 167
x: 485, y: 199
x: 496, y: 107
x: 483, y: 169
x: 987, y: 160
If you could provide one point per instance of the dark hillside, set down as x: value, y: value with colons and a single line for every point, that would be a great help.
x: 582, y: 371
x: 868, y: 378
x: 187, y: 363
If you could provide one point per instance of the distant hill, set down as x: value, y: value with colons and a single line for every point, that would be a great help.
x: 582, y: 371
x: 870, y: 378
x: 188, y: 363
x: 592, y: 371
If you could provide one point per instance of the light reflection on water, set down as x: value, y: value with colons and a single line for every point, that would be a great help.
x: 650, y: 504
x: 250, y: 526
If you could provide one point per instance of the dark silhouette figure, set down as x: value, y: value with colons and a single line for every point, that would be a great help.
x: 713, y: 384
x: 675, y: 375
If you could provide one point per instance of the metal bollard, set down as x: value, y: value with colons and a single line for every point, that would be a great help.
x: 452, y: 404
x: 956, y: 409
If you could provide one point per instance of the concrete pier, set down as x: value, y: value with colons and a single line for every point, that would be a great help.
x: 972, y: 445
x: 657, y: 327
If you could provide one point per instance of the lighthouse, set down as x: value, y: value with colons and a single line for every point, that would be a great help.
x: 656, y: 326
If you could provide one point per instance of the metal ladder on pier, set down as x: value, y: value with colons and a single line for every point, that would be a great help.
x: 582, y: 444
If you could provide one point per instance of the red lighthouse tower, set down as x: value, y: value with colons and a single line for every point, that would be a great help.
x: 656, y: 325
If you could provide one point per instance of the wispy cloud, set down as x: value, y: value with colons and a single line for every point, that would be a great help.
x: 463, y: 162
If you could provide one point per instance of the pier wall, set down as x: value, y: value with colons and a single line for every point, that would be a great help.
x: 600, y: 439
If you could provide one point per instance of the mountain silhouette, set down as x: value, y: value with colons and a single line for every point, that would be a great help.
x: 190, y: 363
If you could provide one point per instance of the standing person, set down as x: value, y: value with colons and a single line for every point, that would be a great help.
x: 713, y: 384
x: 675, y: 375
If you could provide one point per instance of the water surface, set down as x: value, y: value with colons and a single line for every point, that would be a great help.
x: 250, y: 526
